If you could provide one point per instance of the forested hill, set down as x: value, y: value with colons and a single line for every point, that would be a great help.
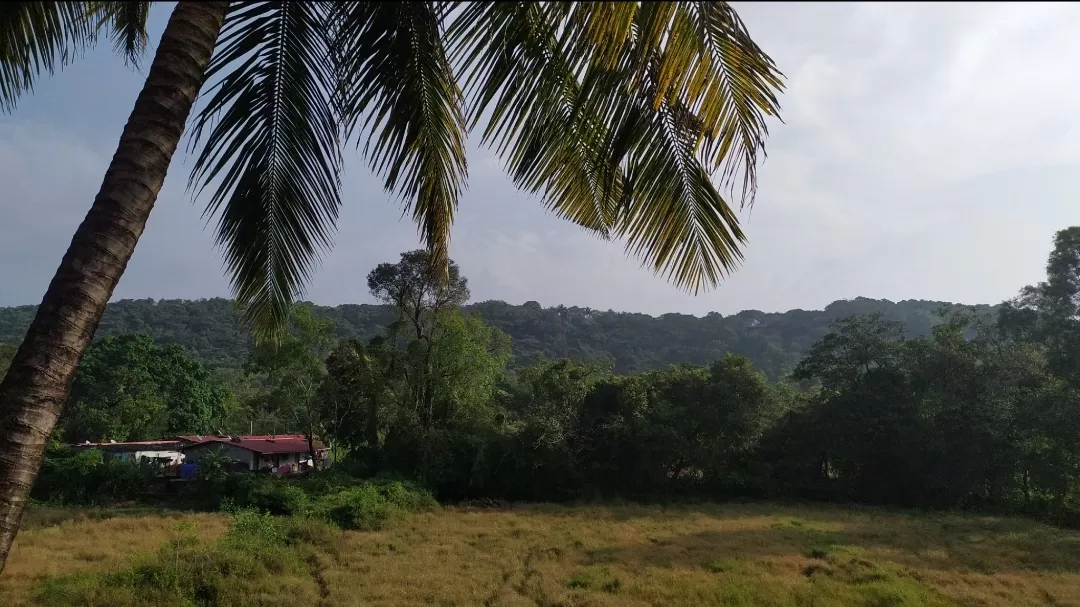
x: 636, y: 342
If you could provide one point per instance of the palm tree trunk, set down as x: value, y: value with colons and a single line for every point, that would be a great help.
x: 33, y: 393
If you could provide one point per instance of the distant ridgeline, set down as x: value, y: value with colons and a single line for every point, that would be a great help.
x: 211, y: 330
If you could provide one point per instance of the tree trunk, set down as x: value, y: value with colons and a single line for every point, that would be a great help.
x: 33, y: 393
x: 311, y: 450
x: 371, y: 434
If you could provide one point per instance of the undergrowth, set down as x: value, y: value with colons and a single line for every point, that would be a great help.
x: 260, y: 551
x: 273, y: 554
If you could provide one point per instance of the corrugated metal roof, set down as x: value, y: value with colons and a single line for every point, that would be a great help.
x: 259, y: 443
x: 153, y: 445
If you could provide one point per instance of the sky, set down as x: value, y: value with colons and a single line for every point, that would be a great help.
x: 928, y: 151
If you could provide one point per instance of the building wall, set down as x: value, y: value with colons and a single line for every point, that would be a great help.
x: 276, y: 460
x: 176, y: 456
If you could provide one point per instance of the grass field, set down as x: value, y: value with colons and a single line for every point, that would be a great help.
x: 546, y: 555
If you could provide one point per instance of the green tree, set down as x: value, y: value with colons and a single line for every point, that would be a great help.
x: 641, y: 104
x: 1049, y: 312
x: 292, y: 370
x: 356, y: 393
x: 466, y: 361
x: 849, y: 355
x: 417, y: 292
x: 127, y: 388
x: 545, y: 401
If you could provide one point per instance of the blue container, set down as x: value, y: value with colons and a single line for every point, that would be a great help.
x: 188, y: 470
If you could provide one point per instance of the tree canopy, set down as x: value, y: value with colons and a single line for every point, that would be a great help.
x: 977, y: 412
x: 211, y: 330
x: 128, y: 388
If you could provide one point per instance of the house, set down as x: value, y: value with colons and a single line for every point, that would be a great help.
x: 284, y: 453
x: 165, y: 452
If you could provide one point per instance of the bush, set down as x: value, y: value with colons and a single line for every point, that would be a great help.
x: 343, y: 500
x: 279, y: 497
x: 369, y: 506
x: 85, y: 477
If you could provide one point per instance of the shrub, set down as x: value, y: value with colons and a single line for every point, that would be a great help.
x: 85, y: 477
x: 279, y: 497
x: 338, y: 498
x: 370, y: 505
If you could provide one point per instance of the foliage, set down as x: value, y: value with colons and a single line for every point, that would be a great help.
x: 84, y: 477
x: 979, y: 414
x: 332, y: 496
x: 355, y: 396
x: 1049, y: 312
x: 291, y: 371
x: 7, y: 352
x: 128, y: 388
x: 775, y: 342
x: 369, y: 506
x: 43, y: 37
x: 642, y: 105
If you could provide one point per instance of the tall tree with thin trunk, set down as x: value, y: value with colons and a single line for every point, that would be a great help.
x: 37, y: 383
x: 617, y: 114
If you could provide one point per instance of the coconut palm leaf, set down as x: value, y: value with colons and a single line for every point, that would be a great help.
x: 520, y: 75
x: 43, y: 37
x: 400, y: 97
x: 37, y: 37
x: 269, y: 142
x: 126, y: 24
x: 618, y: 115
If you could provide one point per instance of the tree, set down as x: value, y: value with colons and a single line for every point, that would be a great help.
x: 850, y: 354
x: 420, y: 297
x: 357, y: 388
x: 1049, y: 312
x: 36, y: 386
x: 641, y: 104
x: 418, y: 293
x: 466, y: 360
x: 127, y: 388
x: 293, y: 372
x: 443, y: 376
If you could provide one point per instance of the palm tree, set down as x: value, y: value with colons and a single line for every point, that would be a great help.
x: 617, y: 114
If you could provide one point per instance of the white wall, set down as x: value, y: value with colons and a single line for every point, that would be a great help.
x: 175, y: 456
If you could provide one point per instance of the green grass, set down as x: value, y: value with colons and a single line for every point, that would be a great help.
x: 751, y: 555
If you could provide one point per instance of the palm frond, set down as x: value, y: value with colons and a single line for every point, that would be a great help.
x: 270, y: 144
x: 519, y: 67
x: 37, y: 37
x: 618, y: 114
x: 734, y: 91
x: 126, y: 23
x: 398, y: 93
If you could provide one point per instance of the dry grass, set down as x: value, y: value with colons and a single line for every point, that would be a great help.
x: 722, y: 555
x: 55, y: 541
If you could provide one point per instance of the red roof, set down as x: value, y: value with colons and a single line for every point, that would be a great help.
x: 259, y: 443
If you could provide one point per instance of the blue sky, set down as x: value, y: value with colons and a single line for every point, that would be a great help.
x: 929, y: 151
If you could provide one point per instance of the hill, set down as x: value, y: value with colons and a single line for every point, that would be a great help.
x: 636, y: 342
